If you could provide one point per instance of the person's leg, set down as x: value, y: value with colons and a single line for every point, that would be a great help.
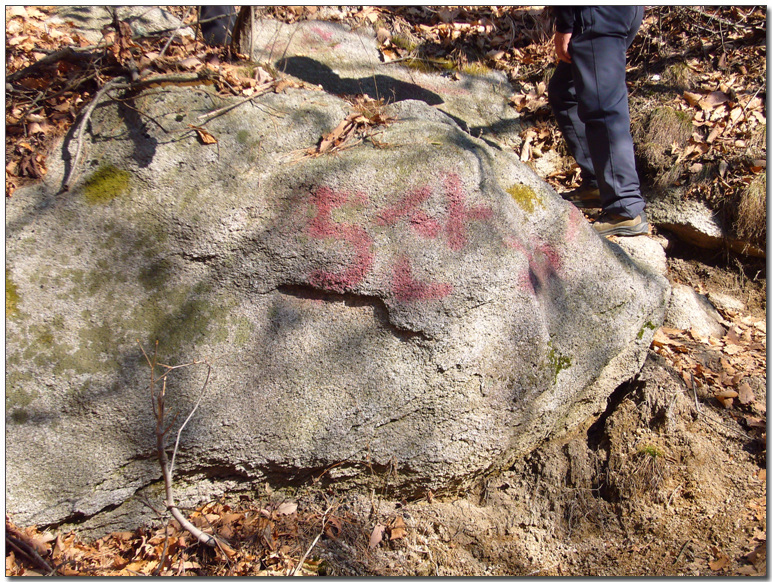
x: 598, y: 69
x: 562, y: 99
x: 217, y: 32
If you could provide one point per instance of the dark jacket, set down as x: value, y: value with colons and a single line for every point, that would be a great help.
x: 565, y: 16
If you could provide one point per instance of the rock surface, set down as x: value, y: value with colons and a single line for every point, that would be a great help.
x: 691, y: 310
x: 693, y: 222
x: 89, y: 21
x: 345, y: 62
x: 423, y: 304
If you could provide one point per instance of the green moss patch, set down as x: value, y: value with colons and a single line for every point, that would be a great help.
x: 430, y: 65
x: 106, y: 184
x: 11, y: 297
x: 525, y: 197
x: 475, y: 69
x: 557, y: 361
x: 651, y: 451
x: 17, y: 400
x: 647, y: 325
x: 242, y: 136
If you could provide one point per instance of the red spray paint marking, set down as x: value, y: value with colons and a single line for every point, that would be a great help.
x: 405, y: 288
x: 322, y: 226
x: 403, y: 285
x: 408, y: 208
x: 544, y: 265
x: 575, y: 218
x: 459, y: 213
x: 325, y: 35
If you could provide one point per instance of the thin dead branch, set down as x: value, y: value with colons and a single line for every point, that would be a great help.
x: 67, y: 53
x: 81, y: 130
x: 25, y: 550
x: 119, y: 83
x: 158, y: 399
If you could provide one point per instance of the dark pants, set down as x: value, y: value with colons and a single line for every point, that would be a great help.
x: 589, y: 100
x: 217, y: 31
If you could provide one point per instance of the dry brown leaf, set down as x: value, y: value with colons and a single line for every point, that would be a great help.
x: 726, y: 397
x: 190, y: 63
x: 692, y: 99
x: 282, y: 85
x: 397, y: 528
x: 231, y: 518
x: 205, y: 137
x: 377, y: 536
x: 13, y: 11
x: 719, y: 564
x: 746, y: 394
x: 287, y: 508
x: 755, y: 556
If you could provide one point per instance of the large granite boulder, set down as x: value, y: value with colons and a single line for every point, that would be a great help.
x: 421, y: 303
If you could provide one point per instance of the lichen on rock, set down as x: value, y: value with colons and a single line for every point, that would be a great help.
x: 106, y: 184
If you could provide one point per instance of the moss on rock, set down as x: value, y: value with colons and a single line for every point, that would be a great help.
x: 11, y: 297
x: 525, y: 197
x: 557, y: 361
x: 106, y: 184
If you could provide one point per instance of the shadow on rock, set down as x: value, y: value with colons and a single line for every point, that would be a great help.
x: 375, y: 86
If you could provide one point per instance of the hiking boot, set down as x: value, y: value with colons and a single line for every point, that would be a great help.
x: 615, y: 225
x: 583, y: 197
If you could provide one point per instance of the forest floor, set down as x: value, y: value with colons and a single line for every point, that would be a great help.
x: 670, y: 480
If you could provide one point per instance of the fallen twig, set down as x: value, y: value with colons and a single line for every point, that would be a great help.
x: 159, y: 400
x: 81, y: 130
x: 60, y: 55
x: 23, y: 549
x: 119, y: 83
x: 212, y: 114
x: 302, y: 561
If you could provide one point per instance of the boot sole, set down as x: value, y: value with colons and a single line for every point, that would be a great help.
x: 642, y: 228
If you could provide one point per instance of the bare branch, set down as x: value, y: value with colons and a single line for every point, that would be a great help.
x: 24, y: 549
x: 158, y: 399
x: 192, y: 412
x: 203, y: 76
x: 68, y: 53
x: 82, y: 130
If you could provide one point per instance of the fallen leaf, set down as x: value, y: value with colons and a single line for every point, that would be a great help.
x: 282, y: 85
x: 333, y: 527
x: 753, y: 557
x: 726, y: 397
x: 721, y: 561
x: 287, y: 508
x: 205, y: 137
x: 230, y: 518
x: 190, y: 63
x: 377, y: 536
x: 12, y: 11
x: 692, y: 98
x: 397, y: 528
x: 745, y: 393
x: 713, y: 100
